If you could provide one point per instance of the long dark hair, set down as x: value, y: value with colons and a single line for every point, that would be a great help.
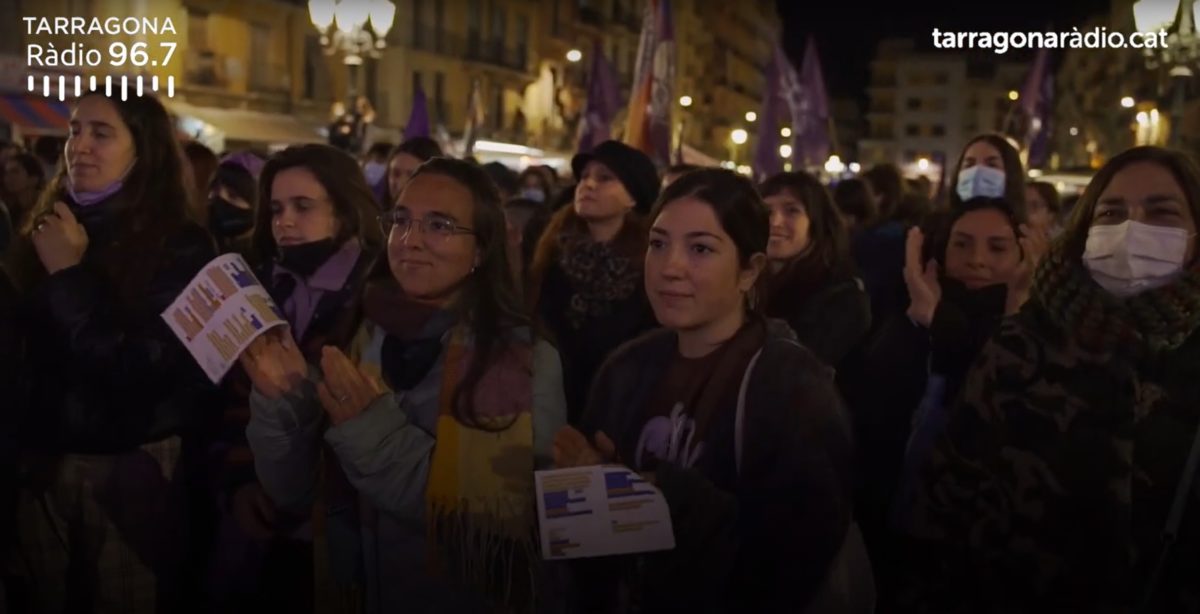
x: 151, y: 207
x: 1014, y: 173
x: 353, y: 201
x: 488, y: 302
x: 1179, y: 164
x: 740, y: 210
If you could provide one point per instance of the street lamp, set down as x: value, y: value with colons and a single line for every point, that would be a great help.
x: 785, y: 132
x: 738, y: 137
x: 785, y: 151
x: 1013, y: 95
x: 1181, y: 51
x: 751, y: 116
x: 356, y: 29
x: 685, y: 101
x: 1127, y: 102
x: 574, y: 55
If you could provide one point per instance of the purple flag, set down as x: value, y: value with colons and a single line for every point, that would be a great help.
x: 1037, y: 96
x: 648, y: 126
x: 418, y: 119
x: 766, y: 154
x: 604, y: 98
x: 810, y: 110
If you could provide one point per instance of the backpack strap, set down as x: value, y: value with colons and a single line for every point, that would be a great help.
x: 739, y: 416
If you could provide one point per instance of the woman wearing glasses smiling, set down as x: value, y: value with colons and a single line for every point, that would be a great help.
x: 445, y: 356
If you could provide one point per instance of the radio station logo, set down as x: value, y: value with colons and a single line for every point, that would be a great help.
x: 117, y: 68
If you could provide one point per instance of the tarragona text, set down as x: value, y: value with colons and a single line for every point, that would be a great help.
x: 1096, y: 38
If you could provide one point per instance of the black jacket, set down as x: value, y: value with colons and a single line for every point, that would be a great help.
x: 106, y: 378
x: 758, y: 539
x: 830, y: 319
x: 583, y: 350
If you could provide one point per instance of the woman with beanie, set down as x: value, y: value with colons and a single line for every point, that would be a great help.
x: 1065, y: 481
x: 587, y: 270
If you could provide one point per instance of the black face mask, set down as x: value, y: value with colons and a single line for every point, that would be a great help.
x: 304, y: 259
x: 985, y: 302
x: 228, y: 220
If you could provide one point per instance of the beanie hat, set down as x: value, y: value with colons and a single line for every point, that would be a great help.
x: 631, y: 166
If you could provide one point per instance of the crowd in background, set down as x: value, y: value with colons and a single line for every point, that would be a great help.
x: 876, y: 395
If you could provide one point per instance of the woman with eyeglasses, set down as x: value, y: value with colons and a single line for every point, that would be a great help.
x: 437, y: 414
x: 315, y: 238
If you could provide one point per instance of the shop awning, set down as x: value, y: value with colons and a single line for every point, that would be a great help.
x: 34, y: 114
x: 252, y: 126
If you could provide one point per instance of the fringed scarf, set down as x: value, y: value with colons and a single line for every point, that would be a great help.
x: 1155, y: 320
x: 480, y: 494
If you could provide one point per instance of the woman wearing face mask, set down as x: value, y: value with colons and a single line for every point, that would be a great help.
x: 233, y: 189
x: 587, y: 270
x: 443, y: 356
x: 115, y: 399
x: 536, y: 185
x: 757, y: 476
x: 316, y: 241
x: 989, y: 167
x: 976, y: 269
x: 403, y: 161
x: 1064, y: 480
x: 812, y: 283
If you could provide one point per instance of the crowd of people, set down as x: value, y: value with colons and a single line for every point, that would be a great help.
x: 871, y: 396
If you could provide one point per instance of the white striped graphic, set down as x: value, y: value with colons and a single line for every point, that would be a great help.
x: 92, y: 84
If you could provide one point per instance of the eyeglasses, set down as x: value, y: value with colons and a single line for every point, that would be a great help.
x: 436, y: 227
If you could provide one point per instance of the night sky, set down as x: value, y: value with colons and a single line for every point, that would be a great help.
x: 847, y: 31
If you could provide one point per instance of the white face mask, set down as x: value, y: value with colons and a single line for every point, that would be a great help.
x: 374, y: 172
x: 1129, y: 258
x: 980, y: 180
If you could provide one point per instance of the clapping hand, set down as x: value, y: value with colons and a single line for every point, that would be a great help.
x: 274, y: 363
x: 347, y: 390
x: 924, y: 291
x: 1034, y: 245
